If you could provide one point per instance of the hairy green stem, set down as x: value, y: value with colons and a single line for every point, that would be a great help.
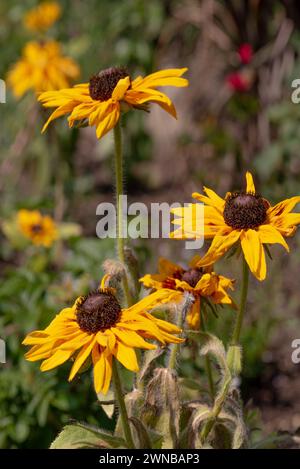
x: 120, y: 214
x: 208, y: 367
x: 176, y: 347
x: 240, y: 316
x: 121, y: 404
x: 219, y: 402
x: 215, y: 412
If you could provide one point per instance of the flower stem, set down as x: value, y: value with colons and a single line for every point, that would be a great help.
x: 120, y: 214
x: 122, y: 406
x: 215, y: 411
x: 239, y: 320
x: 208, y: 368
x: 176, y: 347
x: 219, y: 402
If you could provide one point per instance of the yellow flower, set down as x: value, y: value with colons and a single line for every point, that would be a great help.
x: 41, y: 68
x: 97, y: 326
x: 201, y: 283
x: 100, y: 100
x: 242, y: 216
x: 40, y: 229
x: 42, y: 17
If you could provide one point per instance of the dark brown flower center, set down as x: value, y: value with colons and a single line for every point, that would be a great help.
x: 192, y: 276
x: 36, y: 228
x: 103, y: 84
x: 97, y: 311
x: 245, y: 210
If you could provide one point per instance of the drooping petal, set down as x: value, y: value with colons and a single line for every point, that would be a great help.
x: 126, y: 356
x: 193, y: 316
x: 219, y: 247
x: 254, y: 253
x: 60, y: 111
x: 108, y: 122
x: 137, y: 98
x: 99, y: 364
x: 81, y: 357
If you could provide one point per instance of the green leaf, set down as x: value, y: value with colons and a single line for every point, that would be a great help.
x: 79, y: 435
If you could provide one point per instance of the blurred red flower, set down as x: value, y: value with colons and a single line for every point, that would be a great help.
x: 238, y: 82
x: 245, y: 53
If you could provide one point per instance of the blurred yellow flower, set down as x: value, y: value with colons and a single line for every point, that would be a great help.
x: 41, y: 68
x: 40, y: 229
x: 101, y: 100
x: 97, y: 326
x: 42, y: 17
x: 201, y: 283
x: 242, y: 216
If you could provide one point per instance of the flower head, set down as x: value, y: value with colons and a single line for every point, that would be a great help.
x: 200, y: 282
x: 41, y: 68
x: 42, y: 17
x: 238, y: 82
x: 100, y: 101
x: 40, y: 229
x: 97, y: 326
x: 243, y: 216
x: 245, y: 53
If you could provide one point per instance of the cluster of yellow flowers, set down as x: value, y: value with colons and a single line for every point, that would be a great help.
x: 96, y: 324
x: 42, y: 67
x: 42, y: 17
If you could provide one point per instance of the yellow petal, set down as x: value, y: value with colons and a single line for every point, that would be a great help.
x: 284, y: 207
x: 126, y: 356
x: 81, y: 357
x: 216, y: 200
x: 107, y: 374
x: 219, y: 247
x: 193, y: 316
x: 168, y: 77
x: 109, y: 122
x: 268, y: 234
x: 99, y: 364
x: 250, y: 184
x: 254, y: 253
x: 59, y: 357
x: 150, y: 301
x: 60, y: 111
x: 132, y: 339
x: 152, y: 281
x: 167, y: 267
x: 120, y: 89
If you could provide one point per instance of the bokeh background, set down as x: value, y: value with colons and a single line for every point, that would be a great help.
x: 234, y: 116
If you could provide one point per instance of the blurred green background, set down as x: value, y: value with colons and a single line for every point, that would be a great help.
x: 220, y: 133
